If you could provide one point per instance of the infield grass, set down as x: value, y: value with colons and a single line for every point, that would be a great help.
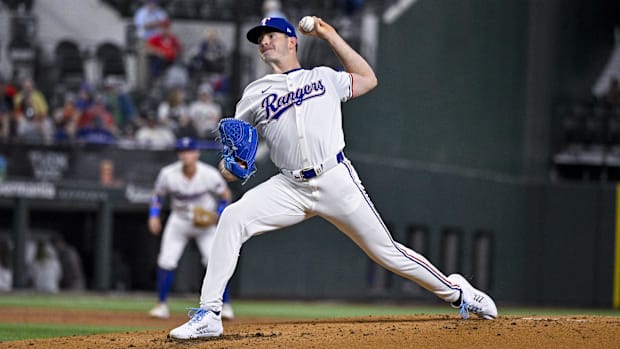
x: 15, y: 331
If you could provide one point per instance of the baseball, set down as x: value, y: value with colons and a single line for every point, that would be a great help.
x: 307, y: 24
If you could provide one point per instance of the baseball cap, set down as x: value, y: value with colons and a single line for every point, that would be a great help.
x: 186, y: 143
x: 275, y: 24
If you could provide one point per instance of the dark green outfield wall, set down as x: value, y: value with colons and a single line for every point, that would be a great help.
x: 553, y: 244
x: 476, y: 83
x: 452, y: 78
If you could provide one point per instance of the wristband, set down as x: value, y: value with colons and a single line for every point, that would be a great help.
x: 154, y: 211
x: 155, y: 207
x: 221, y: 206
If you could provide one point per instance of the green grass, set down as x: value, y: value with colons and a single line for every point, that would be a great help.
x: 180, y: 305
x: 287, y: 309
x: 13, y: 331
x: 78, y: 301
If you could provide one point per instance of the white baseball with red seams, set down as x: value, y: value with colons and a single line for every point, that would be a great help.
x: 307, y: 24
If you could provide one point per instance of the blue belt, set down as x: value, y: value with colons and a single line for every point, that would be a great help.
x: 311, y: 172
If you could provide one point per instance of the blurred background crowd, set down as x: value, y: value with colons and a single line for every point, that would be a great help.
x: 171, y: 78
x: 123, y: 75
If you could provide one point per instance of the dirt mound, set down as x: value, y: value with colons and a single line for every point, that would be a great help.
x: 416, y: 331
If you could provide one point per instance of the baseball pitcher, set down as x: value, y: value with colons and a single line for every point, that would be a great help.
x: 298, y: 113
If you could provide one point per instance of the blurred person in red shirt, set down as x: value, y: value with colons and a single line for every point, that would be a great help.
x: 97, y: 125
x: 7, y: 93
x: 162, y: 49
x: 65, y: 119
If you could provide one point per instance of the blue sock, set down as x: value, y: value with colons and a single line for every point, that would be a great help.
x: 226, y: 296
x: 164, y: 282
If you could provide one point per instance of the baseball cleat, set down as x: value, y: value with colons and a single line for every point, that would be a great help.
x: 473, y: 300
x: 227, y: 312
x: 160, y: 311
x: 203, y: 324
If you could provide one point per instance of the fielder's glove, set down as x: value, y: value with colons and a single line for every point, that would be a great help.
x: 204, y: 218
x: 239, y: 143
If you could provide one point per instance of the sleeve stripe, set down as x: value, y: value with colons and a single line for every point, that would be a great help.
x: 351, y: 86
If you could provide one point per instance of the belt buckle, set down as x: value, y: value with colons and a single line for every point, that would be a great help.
x: 307, y: 173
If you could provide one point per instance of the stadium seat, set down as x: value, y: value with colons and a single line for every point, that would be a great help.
x: 111, y: 60
x: 69, y: 63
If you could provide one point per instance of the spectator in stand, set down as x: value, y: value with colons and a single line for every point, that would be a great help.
x: 6, y: 265
x: 85, y: 98
x: 31, y: 113
x: 7, y: 93
x: 120, y: 104
x: 10, y: 92
x: 154, y: 135
x: 176, y: 75
x: 173, y: 109
x: 221, y: 86
x: 95, y: 133
x: 162, y: 50
x: 65, y: 119
x: 29, y: 100
x: 5, y: 123
x: 205, y: 112
x: 211, y: 56
x: 98, y: 110
x: 72, y: 272
x: 97, y: 125
x: 46, y: 270
x: 38, y: 129
x: 147, y: 20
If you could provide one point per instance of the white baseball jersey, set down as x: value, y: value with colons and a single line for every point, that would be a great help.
x: 202, y: 190
x: 299, y: 134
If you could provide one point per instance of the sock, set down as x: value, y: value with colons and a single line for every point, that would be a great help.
x: 226, y: 295
x: 164, y: 283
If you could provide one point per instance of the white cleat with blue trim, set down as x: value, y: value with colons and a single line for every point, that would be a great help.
x: 473, y: 300
x: 203, y: 324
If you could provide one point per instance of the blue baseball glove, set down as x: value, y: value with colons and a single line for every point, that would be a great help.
x: 239, y: 143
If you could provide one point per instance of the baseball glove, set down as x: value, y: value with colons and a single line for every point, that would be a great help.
x: 204, y: 218
x: 239, y: 143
